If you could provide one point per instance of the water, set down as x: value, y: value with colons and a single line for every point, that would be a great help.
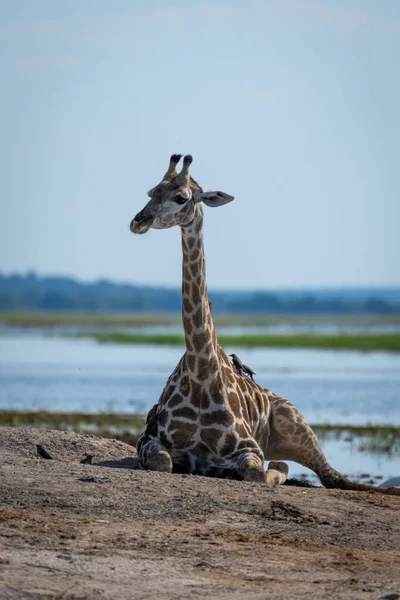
x: 38, y: 372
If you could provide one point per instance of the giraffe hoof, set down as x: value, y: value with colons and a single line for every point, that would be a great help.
x: 277, y: 473
x: 254, y: 474
x: 160, y: 462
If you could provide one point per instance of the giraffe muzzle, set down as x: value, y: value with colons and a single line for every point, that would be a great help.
x: 141, y: 223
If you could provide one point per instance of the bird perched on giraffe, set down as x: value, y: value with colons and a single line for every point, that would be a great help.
x: 241, y: 368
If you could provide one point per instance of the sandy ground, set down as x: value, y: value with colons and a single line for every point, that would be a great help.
x: 73, y: 531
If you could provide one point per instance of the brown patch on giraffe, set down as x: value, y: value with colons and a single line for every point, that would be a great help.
x: 184, y: 245
x: 176, y: 374
x: 191, y: 362
x: 234, y: 403
x: 210, y: 437
x: 241, y: 397
x: 191, y: 241
x: 199, y: 341
x: 198, y: 318
x: 184, y: 385
x: 187, y: 305
x: 247, y: 443
x: 230, y: 444
x: 164, y: 440
x: 216, y: 391
x: 223, y: 356
x: 287, y: 428
x: 228, y: 375
x: 225, y: 371
x: 203, y: 369
x: 258, y: 401
x: 174, y: 400
x: 198, y: 227
x: 189, y: 345
x: 162, y: 418
x: 213, y: 364
x: 186, y: 412
x: 195, y: 295
x: 207, y: 347
x: 194, y: 257
x: 188, y: 328
x: 205, y: 400
x: 187, y: 274
x: 181, y: 433
x: 195, y: 394
x: 203, y: 288
x: 217, y: 417
x: 241, y: 383
x: 246, y: 412
x: 194, y: 268
x: 241, y: 430
x: 251, y: 409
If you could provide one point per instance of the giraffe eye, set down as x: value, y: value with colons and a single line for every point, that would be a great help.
x: 180, y: 199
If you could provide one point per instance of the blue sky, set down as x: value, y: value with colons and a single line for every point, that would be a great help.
x: 290, y: 105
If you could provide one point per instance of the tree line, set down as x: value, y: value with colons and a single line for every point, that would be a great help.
x: 30, y: 292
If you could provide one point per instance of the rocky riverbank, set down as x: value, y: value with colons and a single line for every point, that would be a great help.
x: 109, y: 530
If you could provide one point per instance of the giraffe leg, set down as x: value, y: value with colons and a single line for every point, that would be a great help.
x: 277, y: 473
x: 249, y: 464
x: 153, y: 455
x: 291, y: 438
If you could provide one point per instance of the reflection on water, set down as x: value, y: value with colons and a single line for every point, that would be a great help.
x: 49, y: 373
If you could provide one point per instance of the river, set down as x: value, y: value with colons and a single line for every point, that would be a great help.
x: 39, y: 371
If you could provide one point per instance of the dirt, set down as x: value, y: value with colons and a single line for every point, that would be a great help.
x: 110, y: 530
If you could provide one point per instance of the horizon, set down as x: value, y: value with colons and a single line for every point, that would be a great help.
x: 285, y: 289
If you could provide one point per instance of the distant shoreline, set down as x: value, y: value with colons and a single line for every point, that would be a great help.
x: 44, y: 319
x: 364, y: 343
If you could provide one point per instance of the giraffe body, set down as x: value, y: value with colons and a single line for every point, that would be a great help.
x: 210, y: 420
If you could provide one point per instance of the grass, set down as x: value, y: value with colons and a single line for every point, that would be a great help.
x: 126, y: 428
x: 123, y: 319
x: 365, y: 343
x: 373, y: 439
x: 71, y: 319
x: 72, y: 421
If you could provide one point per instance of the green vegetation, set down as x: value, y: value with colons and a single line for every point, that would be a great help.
x: 72, y: 421
x: 122, y: 427
x: 373, y: 439
x: 72, y: 319
x: 365, y: 343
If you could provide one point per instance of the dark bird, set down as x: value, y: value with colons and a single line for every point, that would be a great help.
x: 42, y: 453
x: 249, y: 372
x: 87, y: 460
x: 237, y: 363
x: 241, y: 368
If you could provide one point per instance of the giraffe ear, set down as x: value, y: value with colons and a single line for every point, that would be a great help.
x: 213, y: 199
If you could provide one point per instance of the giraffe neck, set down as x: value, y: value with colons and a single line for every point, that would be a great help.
x: 200, y: 336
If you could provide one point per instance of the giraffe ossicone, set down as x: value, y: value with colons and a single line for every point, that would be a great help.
x: 210, y: 420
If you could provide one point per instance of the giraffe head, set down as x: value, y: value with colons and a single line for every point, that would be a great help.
x: 175, y: 200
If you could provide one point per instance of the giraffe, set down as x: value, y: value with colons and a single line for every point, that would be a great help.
x: 209, y: 419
